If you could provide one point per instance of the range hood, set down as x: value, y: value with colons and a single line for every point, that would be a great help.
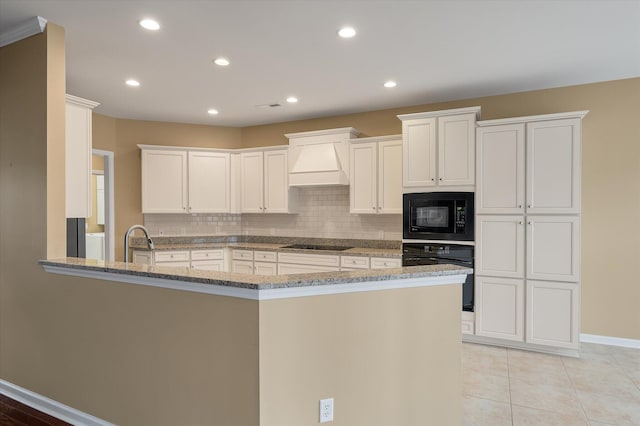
x: 320, y: 158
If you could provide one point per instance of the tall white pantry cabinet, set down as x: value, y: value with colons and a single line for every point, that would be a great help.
x: 528, y: 230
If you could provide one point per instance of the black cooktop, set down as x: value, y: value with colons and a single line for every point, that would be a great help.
x: 317, y: 247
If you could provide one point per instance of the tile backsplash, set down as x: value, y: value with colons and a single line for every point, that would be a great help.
x: 322, y: 212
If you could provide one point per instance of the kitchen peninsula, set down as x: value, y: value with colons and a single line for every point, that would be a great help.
x: 387, y: 338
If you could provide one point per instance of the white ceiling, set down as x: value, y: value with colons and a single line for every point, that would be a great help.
x: 435, y: 50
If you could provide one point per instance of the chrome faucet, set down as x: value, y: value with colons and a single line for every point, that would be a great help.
x: 126, y: 240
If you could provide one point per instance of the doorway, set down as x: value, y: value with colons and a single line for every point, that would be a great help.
x: 100, y: 227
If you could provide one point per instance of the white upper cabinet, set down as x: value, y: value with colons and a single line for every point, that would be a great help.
x: 276, y: 186
x: 209, y: 188
x: 78, y: 146
x: 264, y: 186
x: 500, y: 169
x: 439, y: 148
x: 251, y: 182
x: 529, y: 165
x: 177, y: 180
x: 553, y: 167
x: 376, y: 175
x: 164, y: 181
x: 456, y: 149
x: 364, y: 177
x: 419, y: 152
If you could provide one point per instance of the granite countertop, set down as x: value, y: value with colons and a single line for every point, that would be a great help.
x: 255, y: 282
x: 393, y: 249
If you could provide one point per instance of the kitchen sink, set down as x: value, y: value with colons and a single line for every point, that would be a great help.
x: 317, y: 247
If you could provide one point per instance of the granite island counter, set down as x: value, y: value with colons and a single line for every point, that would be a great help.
x: 263, y: 350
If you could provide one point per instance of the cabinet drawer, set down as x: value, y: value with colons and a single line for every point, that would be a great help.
x: 242, y: 254
x: 285, y: 269
x: 171, y: 256
x: 359, y: 262
x: 207, y: 254
x: 310, y: 259
x: 385, y: 262
x: 265, y: 268
x: 265, y: 256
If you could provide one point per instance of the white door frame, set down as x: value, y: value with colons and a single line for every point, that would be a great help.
x: 109, y: 205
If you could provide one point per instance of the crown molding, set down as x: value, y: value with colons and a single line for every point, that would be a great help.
x: 31, y: 26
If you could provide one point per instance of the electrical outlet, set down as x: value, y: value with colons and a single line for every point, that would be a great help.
x: 326, y: 410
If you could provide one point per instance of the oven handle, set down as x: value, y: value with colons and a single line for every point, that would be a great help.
x: 439, y: 260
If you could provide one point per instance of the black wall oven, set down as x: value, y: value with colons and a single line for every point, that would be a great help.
x: 433, y: 254
x: 438, y: 216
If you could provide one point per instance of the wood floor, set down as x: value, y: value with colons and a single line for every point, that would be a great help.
x: 13, y: 413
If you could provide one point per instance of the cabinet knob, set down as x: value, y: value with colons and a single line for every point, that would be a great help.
x: 432, y: 179
x: 529, y: 223
x: 519, y: 206
x: 373, y: 208
x: 528, y: 206
x: 440, y: 179
x: 520, y: 222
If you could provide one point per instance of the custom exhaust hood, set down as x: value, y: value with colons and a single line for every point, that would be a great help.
x: 320, y: 158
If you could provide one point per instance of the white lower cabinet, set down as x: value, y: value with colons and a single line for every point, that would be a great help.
x: 265, y: 262
x: 288, y: 268
x: 208, y: 260
x: 242, y: 266
x: 553, y: 313
x: 500, y: 308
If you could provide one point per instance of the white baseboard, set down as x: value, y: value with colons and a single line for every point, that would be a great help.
x: 49, y: 406
x: 608, y: 340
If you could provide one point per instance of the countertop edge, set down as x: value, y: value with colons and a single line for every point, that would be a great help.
x: 260, y: 287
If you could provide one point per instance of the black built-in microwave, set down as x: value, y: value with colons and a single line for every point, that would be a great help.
x: 438, y: 216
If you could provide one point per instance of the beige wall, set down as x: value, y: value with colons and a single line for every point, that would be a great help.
x: 386, y: 357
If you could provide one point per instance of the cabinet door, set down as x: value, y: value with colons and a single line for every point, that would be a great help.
x: 363, y: 178
x: 143, y: 257
x: 265, y: 268
x: 553, y: 166
x: 456, y: 149
x: 208, y: 265
x: 500, y: 308
x: 209, y: 182
x: 276, y: 182
x: 390, y: 177
x: 242, y: 266
x: 419, y: 152
x: 500, y: 246
x: 164, y: 181
x: 553, y: 248
x: 552, y: 313
x: 251, y: 182
x: 500, y: 169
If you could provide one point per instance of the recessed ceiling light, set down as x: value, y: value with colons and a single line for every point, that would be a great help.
x: 292, y: 99
x: 133, y: 83
x: 212, y: 111
x: 347, y: 32
x: 390, y: 83
x: 223, y: 62
x: 150, y: 24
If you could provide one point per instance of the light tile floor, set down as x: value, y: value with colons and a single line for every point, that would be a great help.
x: 512, y: 387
